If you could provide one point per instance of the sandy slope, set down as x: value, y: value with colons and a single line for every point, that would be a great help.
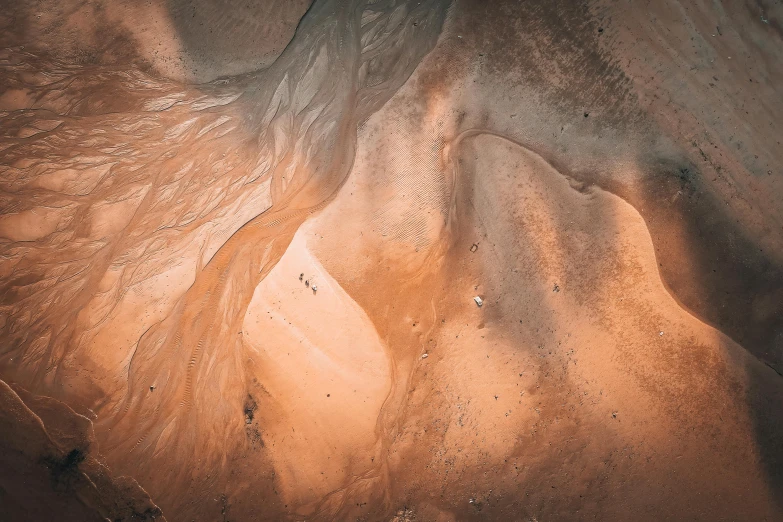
x: 187, y: 40
x: 605, y: 389
x: 603, y: 175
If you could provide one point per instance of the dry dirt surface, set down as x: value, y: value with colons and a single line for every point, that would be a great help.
x: 391, y: 260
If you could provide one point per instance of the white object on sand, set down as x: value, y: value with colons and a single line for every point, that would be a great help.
x: 479, y: 301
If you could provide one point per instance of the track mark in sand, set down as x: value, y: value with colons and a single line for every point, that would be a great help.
x: 186, y: 398
x: 138, y: 442
x: 212, y: 300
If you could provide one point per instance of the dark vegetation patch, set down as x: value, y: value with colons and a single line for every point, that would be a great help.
x: 64, y: 470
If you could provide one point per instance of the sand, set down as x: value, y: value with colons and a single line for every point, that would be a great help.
x: 253, y: 299
x: 194, y: 41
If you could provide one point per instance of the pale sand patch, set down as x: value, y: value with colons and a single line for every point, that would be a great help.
x: 324, y: 365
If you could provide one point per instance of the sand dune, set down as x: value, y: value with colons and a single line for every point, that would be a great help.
x: 580, y: 372
x: 253, y: 298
